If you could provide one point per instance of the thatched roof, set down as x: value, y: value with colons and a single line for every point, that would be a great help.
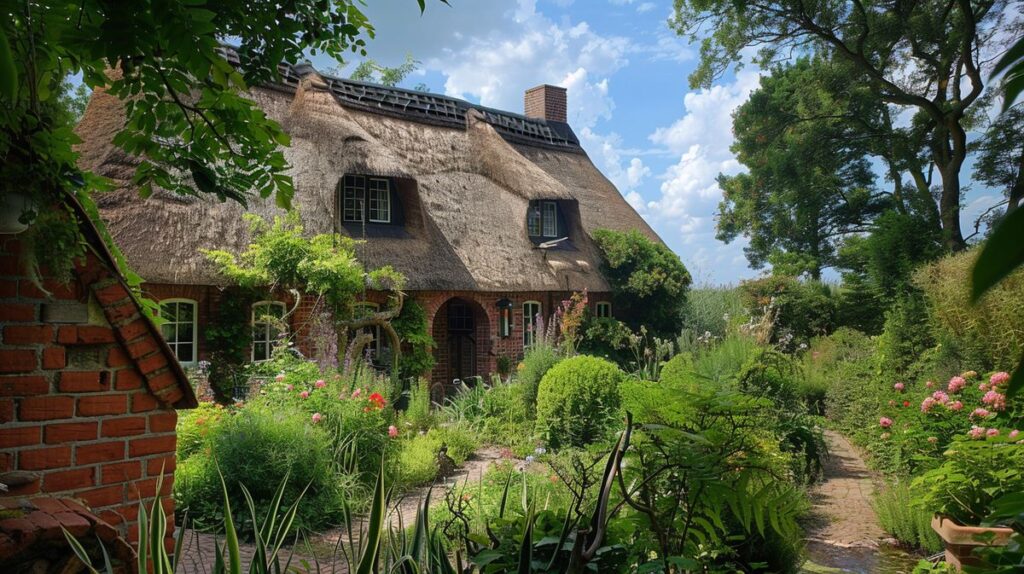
x: 465, y: 174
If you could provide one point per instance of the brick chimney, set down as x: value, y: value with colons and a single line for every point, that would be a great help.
x: 546, y: 103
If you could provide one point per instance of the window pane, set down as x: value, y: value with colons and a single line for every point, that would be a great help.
x: 533, y: 220
x: 259, y: 332
x: 185, y: 333
x: 259, y: 352
x: 186, y: 312
x: 550, y: 219
x: 167, y: 329
x: 169, y: 311
x: 184, y: 353
x: 353, y: 194
x: 380, y: 201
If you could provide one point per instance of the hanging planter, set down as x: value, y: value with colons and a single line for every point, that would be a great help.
x: 960, y: 541
x: 12, y: 206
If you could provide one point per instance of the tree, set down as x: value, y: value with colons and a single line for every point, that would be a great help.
x: 187, y: 117
x: 924, y: 56
x: 1000, y: 161
x: 648, y: 281
x: 370, y: 71
x: 809, y: 183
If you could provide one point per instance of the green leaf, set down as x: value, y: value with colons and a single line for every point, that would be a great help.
x: 526, y: 546
x: 79, y: 551
x: 230, y: 534
x: 375, y: 529
x: 8, y: 73
x: 1001, y: 255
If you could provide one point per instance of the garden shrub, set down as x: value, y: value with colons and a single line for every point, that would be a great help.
x: 418, y: 415
x: 904, y: 339
x: 678, y: 373
x: 417, y: 457
x: 989, y: 335
x: 910, y: 525
x: 258, y: 447
x: 608, y: 338
x: 804, y: 309
x: 536, y: 363
x: 195, y: 427
x: 411, y: 325
x: 719, y: 363
x: 577, y: 400
x: 649, y: 283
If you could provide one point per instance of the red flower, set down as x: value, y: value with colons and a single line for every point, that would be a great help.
x: 906, y: 403
x: 377, y: 400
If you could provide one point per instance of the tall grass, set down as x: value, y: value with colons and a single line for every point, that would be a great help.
x: 712, y: 310
x: 905, y: 522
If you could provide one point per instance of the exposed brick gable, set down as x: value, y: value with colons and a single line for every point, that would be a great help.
x: 88, y: 389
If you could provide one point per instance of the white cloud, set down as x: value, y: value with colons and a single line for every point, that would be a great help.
x: 700, y: 139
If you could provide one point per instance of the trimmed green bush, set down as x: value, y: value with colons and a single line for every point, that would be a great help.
x: 578, y: 400
x: 536, y: 363
x: 678, y: 373
x: 259, y: 447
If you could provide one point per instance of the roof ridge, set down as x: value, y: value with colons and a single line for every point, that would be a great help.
x: 427, y: 107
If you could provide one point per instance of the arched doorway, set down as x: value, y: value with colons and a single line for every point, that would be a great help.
x: 462, y: 340
x: 460, y: 330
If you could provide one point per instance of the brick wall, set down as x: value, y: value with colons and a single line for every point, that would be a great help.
x: 546, y: 102
x: 86, y: 391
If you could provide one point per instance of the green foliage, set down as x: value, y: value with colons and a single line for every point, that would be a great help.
x: 973, y: 475
x: 712, y: 310
x: 802, y: 309
x: 537, y: 361
x: 414, y: 331
x: 578, y: 400
x: 228, y: 337
x: 720, y: 363
x: 679, y: 374
x: 370, y: 71
x: 259, y: 446
x: 808, y: 183
x: 418, y: 415
x: 988, y: 334
x: 648, y: 281
x: 499, y: 415
x: 905, y: 337
x: 910, y: 525
x: 418, y: 454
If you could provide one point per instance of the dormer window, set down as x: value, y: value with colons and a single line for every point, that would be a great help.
x: 543, y: 220
x: 367, y: 199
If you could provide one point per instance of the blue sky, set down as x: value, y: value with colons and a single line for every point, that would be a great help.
x: 661, y: 143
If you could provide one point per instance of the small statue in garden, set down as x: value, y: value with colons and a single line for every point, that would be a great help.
x: 445, y: 464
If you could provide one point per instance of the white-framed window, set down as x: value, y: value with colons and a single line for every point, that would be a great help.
x: 550, y: 219
x: 533, y: 219
x: 379, y: 199
x: 179, y: 327
x: 531, y: 311
x: 266, y: 326
x: 603, y: 310
x: 353, y: 194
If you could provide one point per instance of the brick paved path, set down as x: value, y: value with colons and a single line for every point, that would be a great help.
x: 842, y: 502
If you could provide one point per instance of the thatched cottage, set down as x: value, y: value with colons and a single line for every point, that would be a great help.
x: 487, y: 213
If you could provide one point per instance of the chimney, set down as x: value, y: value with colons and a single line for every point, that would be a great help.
x: 546, y: 103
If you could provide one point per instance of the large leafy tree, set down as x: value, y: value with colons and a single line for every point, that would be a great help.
x: 1000, y: 160
x: 925, y: 57
x: 187, y: 116
x: 808, y: 183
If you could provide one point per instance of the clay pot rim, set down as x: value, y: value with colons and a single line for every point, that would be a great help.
x: 953, y: 532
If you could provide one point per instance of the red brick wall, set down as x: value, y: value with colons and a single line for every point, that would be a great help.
x: 85, y: 400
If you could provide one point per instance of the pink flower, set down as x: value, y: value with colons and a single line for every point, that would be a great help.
x: 356, y: 393
x: 983, y: 387
x: 885, y: 422
x: 304, y: 394
x: 956, y: 384
x: 927, y: 404
x: 955, y: 406
x: 941, y: 397
x: 320, y: 383
x: 999, y: 378
x: 929, y: 384
x: 976, y: 432
x: 279, y: 377
x: 995, y: 400
x: 317, y: 417
x: 392, y: 431
x: 980, y: 413
x: 290, y: 387
x: 899, y: 387
x: 992, y: 432
x: 1014, y: 433
x: 933, y: 439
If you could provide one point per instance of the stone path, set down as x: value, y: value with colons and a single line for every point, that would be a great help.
x: 844, y: 535
x: 198, y: 549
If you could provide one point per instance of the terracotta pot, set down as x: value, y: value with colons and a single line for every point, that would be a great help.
x: 960, y: 540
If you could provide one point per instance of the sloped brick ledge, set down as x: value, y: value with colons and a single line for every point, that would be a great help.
x: 31, y: 539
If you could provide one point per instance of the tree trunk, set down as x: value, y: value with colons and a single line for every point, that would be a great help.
x: 949, y: 207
